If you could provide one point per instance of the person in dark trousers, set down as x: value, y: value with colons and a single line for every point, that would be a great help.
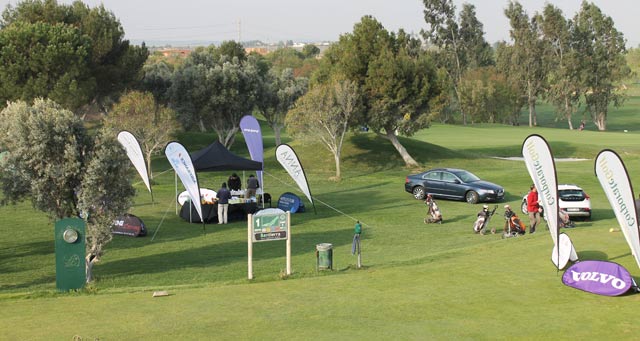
x: 252, y: 186
x: 234, y: 182
x: 533, y: 209
x: 223, y: 196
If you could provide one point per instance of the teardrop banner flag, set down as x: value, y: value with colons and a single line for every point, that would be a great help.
x: 615, y: 182
x: 253, y: 137
x: 566, y: 253
x: 542, y: 169
x: 131, y: 145
x: 290, y: 162
x: 599, y: 277
x: 183, y: 166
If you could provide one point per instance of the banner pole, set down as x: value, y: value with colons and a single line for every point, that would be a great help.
x: 288, y: 242
x: 175, y: 178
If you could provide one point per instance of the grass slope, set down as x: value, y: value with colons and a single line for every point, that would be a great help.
x: 419, y: 281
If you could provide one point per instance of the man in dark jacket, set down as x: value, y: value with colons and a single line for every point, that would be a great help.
x: 252, y: 186
x: 223, y: 196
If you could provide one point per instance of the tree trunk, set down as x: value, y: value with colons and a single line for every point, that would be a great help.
x: 149, y: 171
x: 567, y: 112
x: 276, y: 131
x: 408, y: 160
x: 336, y: 157
x: 89, y: 261
x: 601, y: 121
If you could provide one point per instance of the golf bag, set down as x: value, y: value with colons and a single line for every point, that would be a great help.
x: 483, y: 219
x: 433, y: 213
x: 513, y: 226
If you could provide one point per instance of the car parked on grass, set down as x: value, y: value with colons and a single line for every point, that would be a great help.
x: 452, y: 183
x: 572, y: 199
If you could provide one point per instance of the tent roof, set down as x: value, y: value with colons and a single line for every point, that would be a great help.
x: 216, y: 157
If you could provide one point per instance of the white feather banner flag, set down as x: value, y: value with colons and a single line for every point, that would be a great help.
x: 542, y: 169
x: 614, y: 179
x: 131, y: 145
x: 289, y: 161
x: 181, y: 162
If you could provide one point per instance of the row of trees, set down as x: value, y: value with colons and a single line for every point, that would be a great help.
x: 567, y: 62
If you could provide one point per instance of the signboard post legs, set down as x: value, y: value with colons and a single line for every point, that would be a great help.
x: 250, y: 247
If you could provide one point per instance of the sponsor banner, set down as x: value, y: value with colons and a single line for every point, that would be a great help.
x: 131, y: 145
x: 614, y: 178
x: 542, y: 169
x: 253, y: 136
x: 129, y: 225
x: 290, y: 202
x: 599, y: 277
x: 183, y: 166
x: 289, y: 160
x: 566, y: 253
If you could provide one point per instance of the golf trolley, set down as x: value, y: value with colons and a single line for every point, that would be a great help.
x: 483, y: 219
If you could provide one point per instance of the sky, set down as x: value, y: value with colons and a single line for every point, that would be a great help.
x: 272, y: 21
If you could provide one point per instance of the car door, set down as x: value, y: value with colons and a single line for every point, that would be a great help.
x: 452, y: 185
x: 433, y: 183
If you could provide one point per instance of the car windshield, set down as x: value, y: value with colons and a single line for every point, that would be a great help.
x: 466, y: 176
x: 571, y: 194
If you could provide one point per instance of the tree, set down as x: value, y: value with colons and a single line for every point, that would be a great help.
x: 157, y: 80
x: 488, y: 96
x: 563, y: 80
x: 633, y: 60
x: 398, y: 83
x: 603, y: 65
x: 525, y: 63
x: 325, y: 114
x: 460, y: 44
x: 277, y: 96
x: 213, y: 91
x: 104, y: 195
x: 43, y: 60
x: 310, y: 51
x: 152, y: 124
x: 113, y: 64
x: 53, y: 162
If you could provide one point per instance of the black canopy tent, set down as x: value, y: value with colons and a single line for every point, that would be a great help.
x: 215, y: 157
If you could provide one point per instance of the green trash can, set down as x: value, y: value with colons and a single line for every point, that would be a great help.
x: 324, y: 256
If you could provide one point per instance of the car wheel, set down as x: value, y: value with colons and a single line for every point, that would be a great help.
x: 471, y: 197
x: 524, y: 207
x: 419, y: 193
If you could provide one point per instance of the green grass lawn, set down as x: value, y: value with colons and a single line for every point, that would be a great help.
x: 419, y: 281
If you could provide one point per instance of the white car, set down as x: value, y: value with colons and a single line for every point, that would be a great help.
x: 572, y: 199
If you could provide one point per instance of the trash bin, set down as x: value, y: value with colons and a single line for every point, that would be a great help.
x: 324, y: 256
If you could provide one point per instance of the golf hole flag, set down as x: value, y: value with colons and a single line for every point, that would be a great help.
x: 599, y: 277
x: 131, y: 145
x: 289, y: 161
x: 183, y: 166
x: 614, y: 178
x: 542, y: 169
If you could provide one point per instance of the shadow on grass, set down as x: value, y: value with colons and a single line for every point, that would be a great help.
x: 36, y: 282
x: 14, y: 254
x: 221, y: 254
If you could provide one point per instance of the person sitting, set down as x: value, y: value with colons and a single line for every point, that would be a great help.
x: 234, y: 182
x: 564, y: 220
x: 433, y: 212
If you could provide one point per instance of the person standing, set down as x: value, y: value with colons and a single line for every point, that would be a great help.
x: 223, y: 196
x: 234, y: 182
x: 533, y: 209
x: 252, y: 186
x: 355, y: 246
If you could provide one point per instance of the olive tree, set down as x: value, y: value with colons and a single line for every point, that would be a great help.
x: 53, y: 162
